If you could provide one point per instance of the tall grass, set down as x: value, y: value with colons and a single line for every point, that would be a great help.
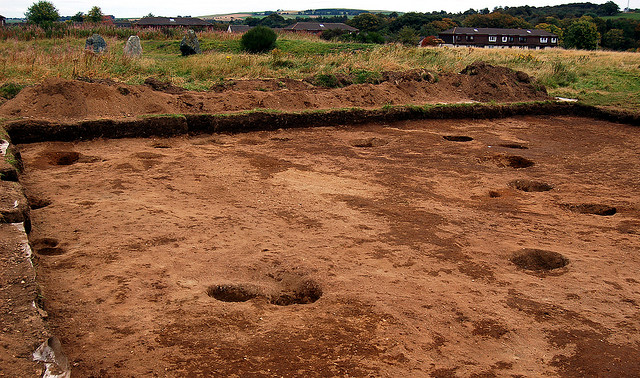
x: 597, y: 77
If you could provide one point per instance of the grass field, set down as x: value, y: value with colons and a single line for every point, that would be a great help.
x: 632, y: 16
x: 610, y: 79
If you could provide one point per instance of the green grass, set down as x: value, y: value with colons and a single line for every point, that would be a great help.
x: 631, y: 16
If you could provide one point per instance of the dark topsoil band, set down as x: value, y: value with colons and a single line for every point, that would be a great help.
x: 32, y: 131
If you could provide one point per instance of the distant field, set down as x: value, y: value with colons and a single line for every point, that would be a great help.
x: 632, y: 16
x: 610, y: 79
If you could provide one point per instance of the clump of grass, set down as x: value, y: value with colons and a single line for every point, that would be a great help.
x: 561, y: 75
x: 366, y: 77
x: 10, y: 90
x: 326, y: 80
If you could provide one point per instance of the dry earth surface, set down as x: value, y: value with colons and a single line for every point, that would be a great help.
x: 380, y: 250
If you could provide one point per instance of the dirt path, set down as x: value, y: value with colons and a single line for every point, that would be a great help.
x: 396, y: 241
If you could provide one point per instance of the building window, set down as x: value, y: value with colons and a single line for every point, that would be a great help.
x: 544, y: 39
x: 511, y: 39
x: 493, y: 38
x: 504, y: 39
x: 458, y: 38
x: 522, y: 39
x: 554, y: 40
x: 469, y: 38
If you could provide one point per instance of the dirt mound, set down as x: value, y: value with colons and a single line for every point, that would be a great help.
x: 60, y: 99
x: 499, y: 83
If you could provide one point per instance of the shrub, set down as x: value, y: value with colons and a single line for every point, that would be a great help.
x: 330, y: 34
x: 259, y: 39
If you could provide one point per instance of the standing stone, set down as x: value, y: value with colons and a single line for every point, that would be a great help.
x: 133, y: 48
x: 96, y: 44
x: 190, y: 44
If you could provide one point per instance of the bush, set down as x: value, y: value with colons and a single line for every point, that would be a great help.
x: 259, y: 39
x: 330, y: 34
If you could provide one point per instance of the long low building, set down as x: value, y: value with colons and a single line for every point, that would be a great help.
x: 499, y: 38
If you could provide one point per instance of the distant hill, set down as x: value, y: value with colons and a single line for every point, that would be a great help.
x: 296, y: 13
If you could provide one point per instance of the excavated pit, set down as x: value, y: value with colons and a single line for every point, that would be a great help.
x: 306, y: 292
x: 515, y: 146
x: 591, y: 208
x: 530, y: 186
x: 63, y: 157
x: 232, y: 293
x: 458, y: 138
x: 538, y: 259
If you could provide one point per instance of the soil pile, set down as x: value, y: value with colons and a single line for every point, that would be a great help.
x: 61, y: 99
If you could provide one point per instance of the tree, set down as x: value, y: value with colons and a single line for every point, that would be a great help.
x: 42, y: 12
x: 408, y: 36
x: 582, y: 34
x: 551, y: 29
x: 608, y: 9
x: 367, y: 22
x: 614, y: 39
x: 95, y: 14
x: 78, y: 17
x: 273, y: 20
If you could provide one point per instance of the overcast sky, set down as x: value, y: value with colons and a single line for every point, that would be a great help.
x: 139, y: 8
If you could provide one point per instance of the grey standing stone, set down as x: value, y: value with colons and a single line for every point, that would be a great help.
x: 96, y: 44
x: 133, y: 48
x: 189, y: 44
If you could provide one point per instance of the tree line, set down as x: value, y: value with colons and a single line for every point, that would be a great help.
x: 578, y: 25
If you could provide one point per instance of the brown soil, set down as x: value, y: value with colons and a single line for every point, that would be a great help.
x: 391, y: 259
x: 60, y: 100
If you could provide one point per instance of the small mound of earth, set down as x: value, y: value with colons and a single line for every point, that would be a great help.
x: 538, y: 259
x: 590, y: 208
x: 369, y: 142
x: 530, y: 186
x: 458, y: 138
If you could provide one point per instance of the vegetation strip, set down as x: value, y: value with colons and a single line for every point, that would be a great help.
x: 33, y: 131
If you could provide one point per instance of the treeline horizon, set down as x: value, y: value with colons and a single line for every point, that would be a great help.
x: 583, y: 22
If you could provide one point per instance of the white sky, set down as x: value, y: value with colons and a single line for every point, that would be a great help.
x: 139, y: 8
